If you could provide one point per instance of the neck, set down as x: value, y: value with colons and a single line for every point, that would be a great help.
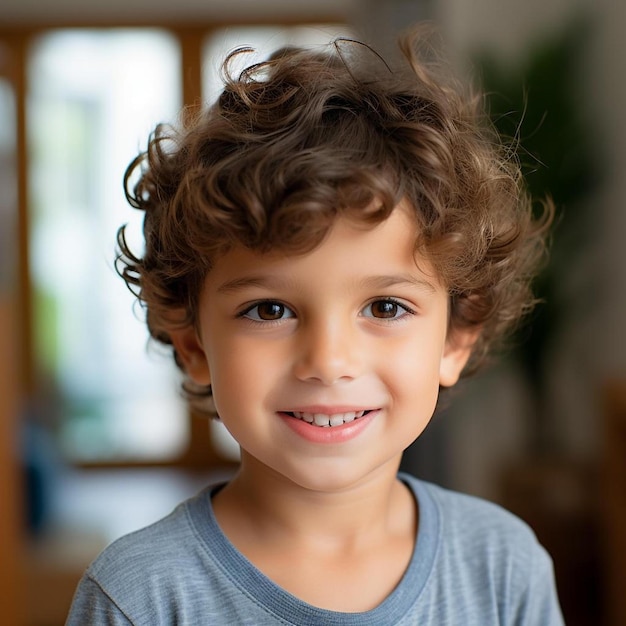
x: 305, y: 538
x: 262, y: 503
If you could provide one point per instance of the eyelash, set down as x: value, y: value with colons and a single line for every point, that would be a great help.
x: 245, y: 314
x: 405, y: 310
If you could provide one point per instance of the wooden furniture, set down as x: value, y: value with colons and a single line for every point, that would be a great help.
x: 614, y: 499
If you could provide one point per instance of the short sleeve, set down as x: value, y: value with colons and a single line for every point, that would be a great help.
x: 539, y: 604
x: 92, y: 606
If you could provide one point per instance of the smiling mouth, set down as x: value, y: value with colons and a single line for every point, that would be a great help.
x: 324, y: 420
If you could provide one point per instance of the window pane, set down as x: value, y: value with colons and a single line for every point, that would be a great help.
x: 93, y: 98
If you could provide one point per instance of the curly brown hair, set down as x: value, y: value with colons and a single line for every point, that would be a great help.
x: 307, y: 136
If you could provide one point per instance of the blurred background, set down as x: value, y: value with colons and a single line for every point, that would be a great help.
x: 94, y: 439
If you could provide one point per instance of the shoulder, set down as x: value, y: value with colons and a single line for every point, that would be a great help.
x: 152, y: 558
x: 472, y: 521
x: 174, y: 571
x: 491, y: 558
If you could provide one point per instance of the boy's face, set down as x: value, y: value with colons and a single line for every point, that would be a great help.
x: 354, y: 332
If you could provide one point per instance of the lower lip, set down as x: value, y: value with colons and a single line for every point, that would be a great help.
x: 329, y: 434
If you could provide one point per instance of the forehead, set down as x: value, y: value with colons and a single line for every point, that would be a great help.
x: 352, y: 252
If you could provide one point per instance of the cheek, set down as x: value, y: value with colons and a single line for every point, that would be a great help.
x: 242, y: 373
x: 419, y: 356
x: 413, y: 371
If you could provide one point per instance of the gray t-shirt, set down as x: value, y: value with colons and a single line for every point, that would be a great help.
x: 474, y: 564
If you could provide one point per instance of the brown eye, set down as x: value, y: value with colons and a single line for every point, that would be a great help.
x: 268, y: 311
x: 384, y: 309
x: 387, y: 309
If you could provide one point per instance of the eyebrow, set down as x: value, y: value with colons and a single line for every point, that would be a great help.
x: 372, y: 282
x: 237, y: 284
x: 393, y: 280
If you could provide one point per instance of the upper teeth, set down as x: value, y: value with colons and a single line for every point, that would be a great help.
x: 323, y: 419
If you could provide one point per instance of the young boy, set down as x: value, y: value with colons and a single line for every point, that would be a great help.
x: 326, y: 247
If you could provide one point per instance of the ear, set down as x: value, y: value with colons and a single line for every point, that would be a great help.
x: 456, y: 353
x: 191, y: 354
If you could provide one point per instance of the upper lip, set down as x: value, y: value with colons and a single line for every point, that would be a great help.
x: 329, y: 410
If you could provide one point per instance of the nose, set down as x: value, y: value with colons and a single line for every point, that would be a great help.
x: 328, y: 352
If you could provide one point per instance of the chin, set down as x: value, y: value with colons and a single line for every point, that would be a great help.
x: 327, y: 476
